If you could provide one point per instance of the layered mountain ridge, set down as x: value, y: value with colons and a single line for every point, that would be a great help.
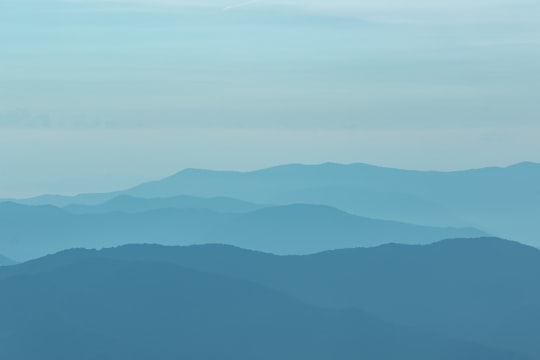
x: 33, y: 231
x: 214, y: 300
x: 500, y: 201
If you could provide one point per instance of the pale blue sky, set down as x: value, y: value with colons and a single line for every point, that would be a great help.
x: 96, y: 95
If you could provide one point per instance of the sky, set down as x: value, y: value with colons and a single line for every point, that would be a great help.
x: 97, y: 95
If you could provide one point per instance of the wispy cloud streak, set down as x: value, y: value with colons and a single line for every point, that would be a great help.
x: 240, y: 5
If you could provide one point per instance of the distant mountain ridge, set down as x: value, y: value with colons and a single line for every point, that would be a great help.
x: 494, y: 199
x: 6, y: 261
x: 131, y: 204
x: 501, y: 201
x: 304, y: 228
x: 81, y: 302
x: 34, y: 231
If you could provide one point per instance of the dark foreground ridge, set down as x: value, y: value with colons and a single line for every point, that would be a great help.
x: 82, y: 305
x: 482, y: 291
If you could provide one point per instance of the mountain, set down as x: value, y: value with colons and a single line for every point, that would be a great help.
x: 301, y: 229
x: 398, y: 206
x: 283, y: 178
x: 483, y: 290
x: 5, y: 261
x: 130, y: 204
x: 501, y: 201
x: 31, y: 231
x: 65, y: 200
x: 90, y: 307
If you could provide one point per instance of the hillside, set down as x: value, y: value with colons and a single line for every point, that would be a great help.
x: 501, y: 201
x: 144, y: 310
x: 131, y: 204
x: 5, y: 261
x: 301, y: 229
x: 33, y: 231
x: 485, y: 290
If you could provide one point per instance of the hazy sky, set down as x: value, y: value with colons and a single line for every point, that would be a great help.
x: 97, y: 95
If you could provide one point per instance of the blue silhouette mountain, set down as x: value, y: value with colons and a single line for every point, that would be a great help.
x: 502, y: 201
x: 301, y: 229
x: 505, y: 201
x: 483, y: 290
x: 131, y: 204
x: 79, y: 304
x: 6, y: 261
x: 33, y: 231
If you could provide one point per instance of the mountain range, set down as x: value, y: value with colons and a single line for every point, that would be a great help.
x: 132, y: 204
x: 293, y: 262
x: 31, y: 231
x: 141, y: 302
x: 500, y: 201
x: 481, y: 290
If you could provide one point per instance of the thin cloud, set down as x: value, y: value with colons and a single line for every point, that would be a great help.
x: 518, y: 12
x: 240, y: 5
